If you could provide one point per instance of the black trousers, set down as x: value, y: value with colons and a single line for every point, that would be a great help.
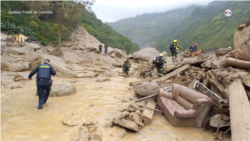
x: 43, y: 90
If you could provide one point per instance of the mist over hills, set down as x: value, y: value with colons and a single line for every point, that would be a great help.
x: 206, y: 25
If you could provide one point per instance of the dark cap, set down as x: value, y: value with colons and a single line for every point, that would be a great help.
x: 47, y: 60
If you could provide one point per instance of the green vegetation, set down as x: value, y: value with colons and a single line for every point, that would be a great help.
x: 205, y: 25
x: 209, y: 27
x: 44, y: 27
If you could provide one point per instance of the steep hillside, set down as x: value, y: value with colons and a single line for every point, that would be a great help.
x: 44, y: 27
x: 147, y: 29
x: 206, y: 25
x: 209, y: 27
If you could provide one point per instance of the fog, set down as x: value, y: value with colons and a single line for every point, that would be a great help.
x: 113, y: 10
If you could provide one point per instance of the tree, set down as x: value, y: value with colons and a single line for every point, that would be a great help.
x: 62, y: 9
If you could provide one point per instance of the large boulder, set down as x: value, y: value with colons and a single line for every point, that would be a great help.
x: 212, y: 64
x: 19, y: 50
x: 146, y: 89
x: 243, y: 52
x: 62, y: 89
x: 242, y: 35
x: 71, y: 58
x: 165, y: 54
x: 117, y: 53
x: 18, y: 63
x: 32, y: 45
x: 59, y: 65
x: 222, y: 51
x: 146, y: 54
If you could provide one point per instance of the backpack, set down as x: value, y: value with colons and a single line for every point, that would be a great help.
x: 159, y: 61
x: 126, y: 65
x: 171, y: 47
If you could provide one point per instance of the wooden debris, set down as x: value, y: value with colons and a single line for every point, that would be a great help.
x: 138, y: 104
x: 173, y: 73
x: 147, y: 97
x: 239, y: 112
x: 126, y: 123
x: 147, y: 114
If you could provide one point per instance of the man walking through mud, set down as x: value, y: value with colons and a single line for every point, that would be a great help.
x: 43, y: 81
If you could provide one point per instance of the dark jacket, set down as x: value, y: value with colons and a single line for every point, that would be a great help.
x: 43, y: 71
x: 106, y: 46
x: 126, y: 64
x: 163, y: 61
x: 100, y: 46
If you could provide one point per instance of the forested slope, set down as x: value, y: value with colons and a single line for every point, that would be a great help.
x: 206, y: 25
x: 44, y: 27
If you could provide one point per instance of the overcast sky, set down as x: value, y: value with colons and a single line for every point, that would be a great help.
x: 113, y: 10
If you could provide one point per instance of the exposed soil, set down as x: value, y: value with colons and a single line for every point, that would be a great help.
x: 21, y: 121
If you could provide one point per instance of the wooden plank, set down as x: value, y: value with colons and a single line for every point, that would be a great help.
x: 239, y: 112
x: 173, y: 73
x: 147, y: 97
x: 147, y: 114
x: 138, y: 104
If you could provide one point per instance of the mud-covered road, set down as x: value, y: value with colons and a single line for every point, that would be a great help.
x: 21, y: 121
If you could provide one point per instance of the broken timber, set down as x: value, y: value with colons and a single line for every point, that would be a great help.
x: 147, y: 114
x: 239, y: 112
x: 138, y: 104
x: 173, y: 73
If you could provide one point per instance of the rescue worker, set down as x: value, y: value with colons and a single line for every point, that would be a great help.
x: 43, y: 81
x: 106, y: 49
x: 174, y: 50
x: 159, y: 63
x: 100, y: 48
x: 126, y: 66
x: 193, y: 48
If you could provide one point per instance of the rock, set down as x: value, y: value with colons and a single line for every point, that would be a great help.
x: 165, y: 54
x: 110, y: 74
x: 212, y: 64
x: 17, y: 64
x: 102, y: 79
x: 59, y: 65
x: 117, y: 53
x: 19, y: 50
x: 86, y: 75
x: 3, y: 44
x: 243, y: 52
x: 62, y: 89
x: 130, y: 56
x: 72, y: 120
x: 222, y: 51
x: 8, y: 44
x: 146, y: 54
x: 92, y: 49
x: 32, y: 45
x: 241, y: 36
x: 145, y: 89
x: 18, y: 78
x: 71, y: 58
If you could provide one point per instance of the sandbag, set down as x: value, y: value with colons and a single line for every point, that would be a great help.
x: 232, y: 62
x: 242, y: 53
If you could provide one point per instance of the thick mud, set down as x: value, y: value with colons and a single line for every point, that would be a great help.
x: 21, y: 121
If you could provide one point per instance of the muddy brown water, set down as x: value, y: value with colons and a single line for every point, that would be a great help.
x: 21, y: 121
